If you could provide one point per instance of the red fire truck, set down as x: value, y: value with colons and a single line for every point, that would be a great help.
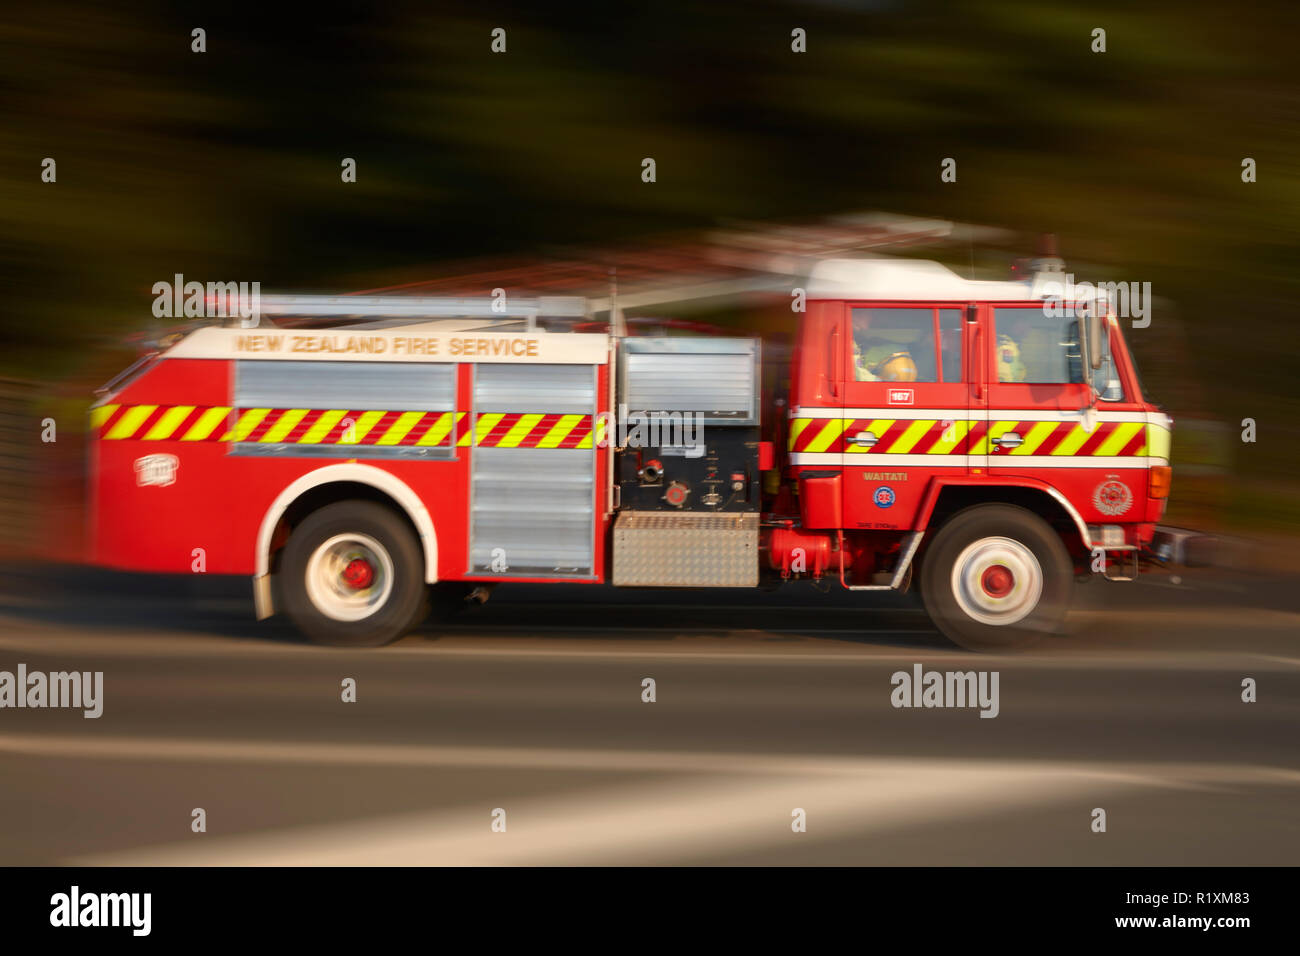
x: 364, y: 458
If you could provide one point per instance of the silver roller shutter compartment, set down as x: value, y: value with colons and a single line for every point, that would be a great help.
x: 358, y: 386
x: 549, y: 389
x: 714, y: 377
x: 536, y: 505
x: 355, y: 386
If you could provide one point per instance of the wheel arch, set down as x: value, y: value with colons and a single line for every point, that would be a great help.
x: 336, y: 483
x: 946, y: 498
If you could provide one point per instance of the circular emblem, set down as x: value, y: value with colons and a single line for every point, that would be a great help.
x: 883, y: 496
x: 1112, y: 498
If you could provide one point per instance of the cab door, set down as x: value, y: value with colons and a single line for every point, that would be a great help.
x: 906, y: 407
x: 1043, y: 423
x: 1036, y: 384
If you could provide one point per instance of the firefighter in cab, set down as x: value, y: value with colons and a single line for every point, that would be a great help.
x: 883, y: 362
x: 1010, y: 366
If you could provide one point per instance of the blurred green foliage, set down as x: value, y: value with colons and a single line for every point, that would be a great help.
x: 225, y: 165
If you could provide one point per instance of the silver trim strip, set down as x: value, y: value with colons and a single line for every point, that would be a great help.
x: 1005, y: 464
x: 1073, y: 513
x: 343, y: 452
x: 263, y: 605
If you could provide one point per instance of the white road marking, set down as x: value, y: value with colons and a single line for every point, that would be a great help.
x: 710, y: 648
x: 723, y: 801
x: 1292, y: 661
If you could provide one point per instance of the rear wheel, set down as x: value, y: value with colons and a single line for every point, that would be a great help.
x: 996, y: 577
x: 352, y: 575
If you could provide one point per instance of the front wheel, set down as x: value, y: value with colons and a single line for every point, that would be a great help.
x: 996, y: 577
x: 353, y: 575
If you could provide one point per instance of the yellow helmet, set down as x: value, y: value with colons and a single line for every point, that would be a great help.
x: 898, y: 367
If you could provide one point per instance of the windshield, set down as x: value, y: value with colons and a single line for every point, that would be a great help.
x: 1040, y: 345
x: 1037, y: 345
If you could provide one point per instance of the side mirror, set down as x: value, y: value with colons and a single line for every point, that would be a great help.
x: 1082, y: 329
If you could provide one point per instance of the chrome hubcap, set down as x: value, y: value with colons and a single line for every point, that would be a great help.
x: 349, y: 577
x: 997, y: 581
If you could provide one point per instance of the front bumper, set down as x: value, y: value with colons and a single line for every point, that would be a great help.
x: 1191, y: 549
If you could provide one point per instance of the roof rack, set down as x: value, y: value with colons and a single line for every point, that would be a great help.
x: 424, y: 307
x: 346, y: 309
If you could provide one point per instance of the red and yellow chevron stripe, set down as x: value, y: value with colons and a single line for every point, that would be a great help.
x: 516, y: 430
x: 304, y: 426
x: 948, y: 437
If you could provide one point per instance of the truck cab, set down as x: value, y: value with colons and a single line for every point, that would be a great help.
x: 985, y: 440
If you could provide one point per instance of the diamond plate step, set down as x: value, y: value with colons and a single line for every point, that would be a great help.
x: 685, y: 550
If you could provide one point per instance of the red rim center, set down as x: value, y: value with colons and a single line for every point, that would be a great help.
x: 997, y: 581
x: 358, y: 574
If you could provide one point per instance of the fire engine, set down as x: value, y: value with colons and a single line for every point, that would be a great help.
x: 367, y: 458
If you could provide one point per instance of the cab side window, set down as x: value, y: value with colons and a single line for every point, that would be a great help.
x: 1037, y: 347
x: 896, y: 345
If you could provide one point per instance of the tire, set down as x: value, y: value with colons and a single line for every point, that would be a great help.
x: 996, y: 577
x: 352, y: 575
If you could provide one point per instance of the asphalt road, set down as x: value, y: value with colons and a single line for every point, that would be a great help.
x: 765, y: 703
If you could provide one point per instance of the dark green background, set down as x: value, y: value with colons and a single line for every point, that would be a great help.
x: 225, y: 165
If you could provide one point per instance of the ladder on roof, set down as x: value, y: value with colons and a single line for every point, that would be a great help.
x: 362, y: 308
x: 425, y: 307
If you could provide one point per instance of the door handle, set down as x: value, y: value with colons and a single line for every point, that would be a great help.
x: 865, y: 439
x: 1008, y: 440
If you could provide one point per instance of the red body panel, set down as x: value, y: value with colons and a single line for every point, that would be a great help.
x: 219, y: 499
